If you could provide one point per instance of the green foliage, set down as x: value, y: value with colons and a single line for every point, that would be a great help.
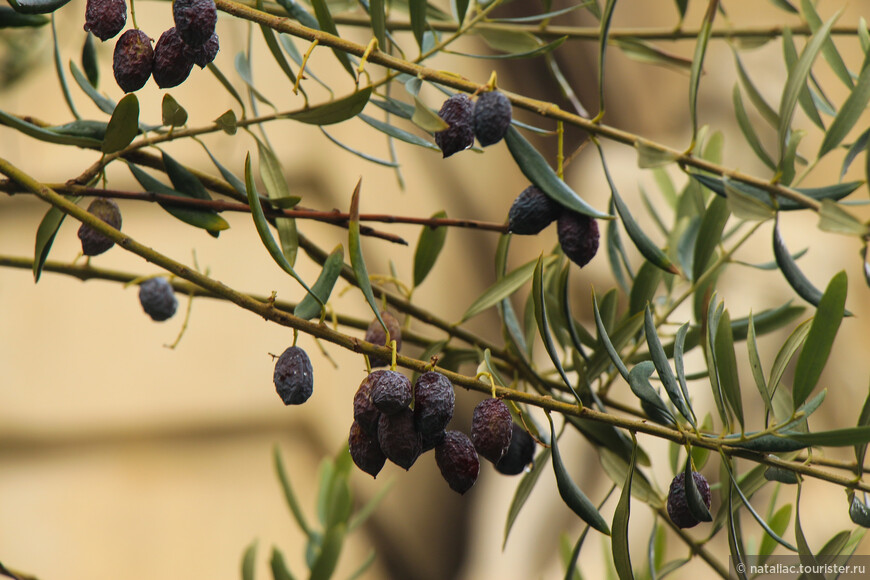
x: 632, y: 378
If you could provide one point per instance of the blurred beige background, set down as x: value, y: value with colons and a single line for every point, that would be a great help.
x: 120, y: 458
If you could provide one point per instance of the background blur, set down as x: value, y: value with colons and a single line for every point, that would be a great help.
x: 120, y: 458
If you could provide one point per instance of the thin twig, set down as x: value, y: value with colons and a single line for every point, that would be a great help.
x: 300, y: 212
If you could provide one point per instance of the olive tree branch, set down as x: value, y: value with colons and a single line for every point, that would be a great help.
x: 545, y: 109
x: 332, y: 217
x: 267, y: 310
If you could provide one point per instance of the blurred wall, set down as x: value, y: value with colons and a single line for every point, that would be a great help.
x: 122, y: 458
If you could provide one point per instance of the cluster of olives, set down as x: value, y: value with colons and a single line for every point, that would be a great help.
x: 386, y: 426
x: 488, y: 119
x: 191, y: 41
x: 533, y: 210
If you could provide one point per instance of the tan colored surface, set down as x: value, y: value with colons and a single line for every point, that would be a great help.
x: 122, y: 459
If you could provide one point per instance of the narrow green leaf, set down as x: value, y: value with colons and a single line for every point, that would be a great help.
x: 663, y: 368
x: 565, y: 307
x: 849, y: 113
x: 524, y: 489
x: 829, y: 50
x: 603, y: 35
x: 820, y: 339
x: 183, y: 180
x: 368, y: 509
x: 9, y: 18
x: 859, y: 513
x: 361, y: 569
x: 770, y: 444
x: 535, y: 168
x: 428, y: 249
x: 358, y: 153
x: 834, y: 192
x: 205, y: 219
x: 509, y: 40
x: 616, y: 256
x: 276, y: 185
x: 619, y: 545
x: 417, y: 9
x: 570, y: 493
x: 650, y: 156
x: 735, y: 536
x: 263, y: 227
x: 679, y: 343
x: 539, y: 50
x: 102, y: 102
x: 770, y: 532
x: 397, y: 133
x: 503, y: 288
x: 806, y: 555
x: 275, y: 49
x: 646, y: 283
x: 334, y: 111
x: 745, y: 206
x: 289, y: 496
x: 616, y: 467
x: 45, y: 235
x: 648, y: 53
x: 650, y: 401
x: 797, y: 79
x: 785, y: 354
x: 225, y: 82
x: 755, y: 97
x: 461, y: 9
x: 778, y: 522
x: 697, y: 507
x: 748, y: 130
x: 646, y: 246
x: 60, y: 74
x: 249, y: 561
x: 698, y: 64
x: 356, y: 257
x: 327, y: 24
x: 863, y: 420
x: 714, y: 315
x: 833, y: 218
x: 123, y: 126
x: 605, y: 340
x: 544, y: 325
x: 279, y: 568
x: 793, y: 275
x: 855, y: 149
x: 755, y: 365
x: 378, y: 15
x: 712, y: 224
x: 426, y: 118
x: 845, y: 437
x: 308, y: 307
x: 340, y: 504
x: 46, y: 135
x: 863, y: 35
x: 36, y: 6
x: 82, y: 128
x: 174, y: 114
x: 243, y: 67
x: 299, y: 14
x: 228, y: 175
x: 330, y: 550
